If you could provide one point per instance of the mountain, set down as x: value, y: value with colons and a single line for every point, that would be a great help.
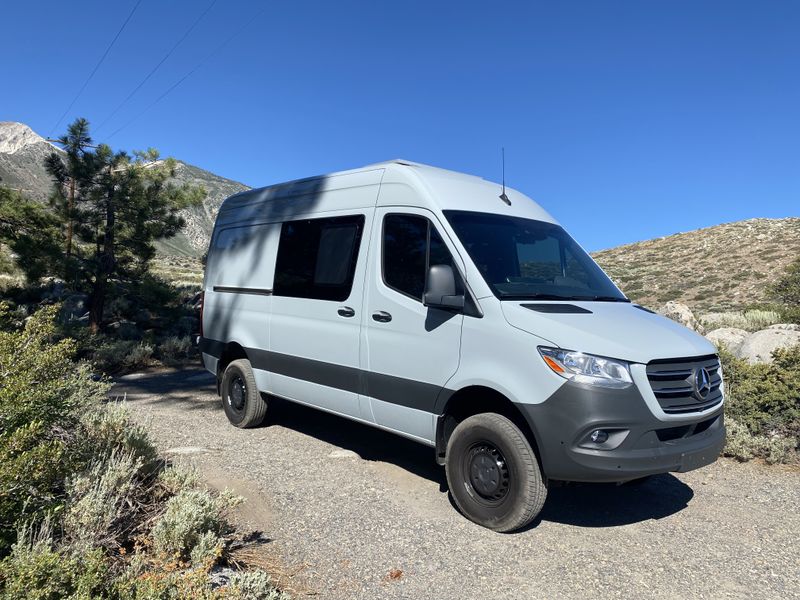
x: 722, y: 267
x: 726, y: 266
x: 22, y: 154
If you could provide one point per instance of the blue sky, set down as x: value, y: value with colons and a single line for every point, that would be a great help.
x: 627, y: 120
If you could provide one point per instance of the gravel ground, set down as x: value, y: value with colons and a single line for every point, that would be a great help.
x: 353, y: 512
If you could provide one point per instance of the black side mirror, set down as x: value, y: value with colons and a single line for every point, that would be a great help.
x: 440, y: 289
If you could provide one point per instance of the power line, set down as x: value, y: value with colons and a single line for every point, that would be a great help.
x: 193, y: 70
x: 158, y: 65
x: 97, y: 66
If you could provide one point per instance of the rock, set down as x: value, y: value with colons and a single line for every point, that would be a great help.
x: 343, y: 453
x: 72, y: 308
x: 785, y: 326
x: 730, y: 337
x: 759, y: 346
x: 126, y: 330
x: 682, y: 314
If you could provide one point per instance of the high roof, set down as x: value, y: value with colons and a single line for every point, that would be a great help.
x: 439, y: 188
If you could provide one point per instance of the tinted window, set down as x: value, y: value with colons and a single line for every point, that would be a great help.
x: 410, y: 245
x: 405, y: 246
x: 317, y: 258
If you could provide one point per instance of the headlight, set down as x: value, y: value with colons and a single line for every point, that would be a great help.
x: 587, y: 368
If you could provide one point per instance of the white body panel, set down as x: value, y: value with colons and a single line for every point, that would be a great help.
x: 344, y: 364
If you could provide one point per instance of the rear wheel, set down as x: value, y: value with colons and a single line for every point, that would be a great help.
x: 493, y: 473
x: 241, y: 399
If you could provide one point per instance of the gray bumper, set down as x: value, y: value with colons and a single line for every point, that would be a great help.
x: 638, y: 444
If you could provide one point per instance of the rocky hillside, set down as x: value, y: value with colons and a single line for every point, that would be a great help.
x: 722, y: 267
x: 22, y: 154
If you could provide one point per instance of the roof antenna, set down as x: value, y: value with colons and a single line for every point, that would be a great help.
x: 503, y: 196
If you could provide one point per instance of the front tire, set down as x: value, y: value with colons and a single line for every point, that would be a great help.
x: 241, y: 399
x: 493, y: 474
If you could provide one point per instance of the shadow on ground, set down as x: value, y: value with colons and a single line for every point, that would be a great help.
x: 581, y: 505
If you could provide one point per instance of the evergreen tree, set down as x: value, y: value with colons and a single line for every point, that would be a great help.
x: 109, y: 209
x: 31, y: 233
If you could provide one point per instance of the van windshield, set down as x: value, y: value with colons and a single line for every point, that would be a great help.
x: 524, y: 259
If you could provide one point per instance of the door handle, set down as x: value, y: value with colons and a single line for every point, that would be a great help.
x: 346, y: 311
x: 382, y: 316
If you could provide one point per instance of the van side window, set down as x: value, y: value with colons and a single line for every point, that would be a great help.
x: 410, y: 245
x: 317, y: 258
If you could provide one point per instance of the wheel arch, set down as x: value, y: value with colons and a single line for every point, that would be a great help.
x: 472, y: 400
x: 232, y: 351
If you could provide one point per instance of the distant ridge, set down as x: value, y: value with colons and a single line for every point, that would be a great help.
x: 726, y: 266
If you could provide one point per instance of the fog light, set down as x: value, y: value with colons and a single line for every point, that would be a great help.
x: 599, y: 436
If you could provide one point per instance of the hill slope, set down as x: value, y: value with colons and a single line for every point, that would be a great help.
x: 722, y: 267
x: 22, y: 154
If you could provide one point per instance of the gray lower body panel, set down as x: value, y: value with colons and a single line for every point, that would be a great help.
x: 638, y: 443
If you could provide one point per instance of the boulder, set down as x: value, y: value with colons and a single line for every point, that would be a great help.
x: 72, y: 307
x: 730, y: 337
x: 785, y: 326
x: 682, y: 314
x: 759, y: 346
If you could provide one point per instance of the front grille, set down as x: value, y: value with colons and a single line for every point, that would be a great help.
x: 673, y: 383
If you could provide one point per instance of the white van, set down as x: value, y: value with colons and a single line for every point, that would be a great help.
x: 419, y: 301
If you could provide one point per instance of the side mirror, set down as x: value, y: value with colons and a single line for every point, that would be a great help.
x: 440, y: 289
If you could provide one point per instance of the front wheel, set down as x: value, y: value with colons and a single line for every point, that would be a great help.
x: 493, y: 474
x: 241, y: 399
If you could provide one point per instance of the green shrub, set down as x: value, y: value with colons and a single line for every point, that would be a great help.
x: 42, y: 393
x: 176, y: 478
x: 109, y: 428
x: 173, y: 350
x: 99, y: 499
x: 188, y: 517
x: 122, y: 525
x: 742, y: 445
x: 139, y: 357
x: 749, y: 320
x: 764, y: 401
x: 37, y: 570
x: 113, y: 356
x: 253, y: 585
x: 786, y: 292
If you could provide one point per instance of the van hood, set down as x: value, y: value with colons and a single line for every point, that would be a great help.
x: 612, y: 329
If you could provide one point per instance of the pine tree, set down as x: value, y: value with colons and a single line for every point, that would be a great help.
x: 112, y: 207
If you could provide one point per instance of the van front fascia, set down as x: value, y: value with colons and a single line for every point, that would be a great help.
x: 638, y: 443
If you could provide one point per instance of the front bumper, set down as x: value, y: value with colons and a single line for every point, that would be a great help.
x: 639, y: 444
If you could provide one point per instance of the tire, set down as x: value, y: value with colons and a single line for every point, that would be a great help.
x: 492, y: 472
x: 241, y: 399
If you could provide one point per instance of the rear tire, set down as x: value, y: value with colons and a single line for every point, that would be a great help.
x: 493, y: 474
x: 241, y: 399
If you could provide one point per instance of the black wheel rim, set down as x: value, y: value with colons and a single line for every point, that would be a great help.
x: 237, y: 393
x: 486, y: 473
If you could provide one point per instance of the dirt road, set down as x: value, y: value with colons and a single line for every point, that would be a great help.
x: 348, y: 507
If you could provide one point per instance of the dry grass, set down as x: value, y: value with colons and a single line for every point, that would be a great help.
x: 179, y: 271
x: 725, y: 267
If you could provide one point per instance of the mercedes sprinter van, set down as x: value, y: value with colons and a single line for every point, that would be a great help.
x: 419, y: 301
